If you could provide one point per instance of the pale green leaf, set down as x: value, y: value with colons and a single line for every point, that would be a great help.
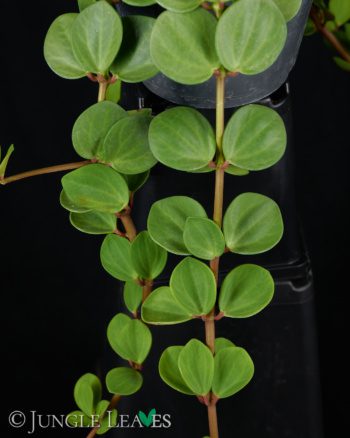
x: 289, y: 8
x: 69, y: 205
x: 87, y: 393
x: 123, y: 381
x: 132, y: 296
x: 221, y: 343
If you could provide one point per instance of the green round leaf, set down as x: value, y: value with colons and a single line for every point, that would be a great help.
x: 245, y: 291
x: 126, y: 146
x: 252, y: 224
x: 134, y: 63
x: 166, y: 221
x: 94, y: 222
x: 58, y: 51
x: 116, y: 258
x: 162, y: 308
x: 92, y: 126
x: 236, y: 171
x: 140, y: 2
x: 289, y: 8
x: 108, y: 422
x: 169, y: 370
x: 87, y: 393
x: 196, y: 364
x: 194, y: 286
x: 180, y: 5
x: 250, y: 36
x: 221, y: 343
x: 135, y: 182
x: 255, y: 138
x: 183, y: 139
x: 130, y: 338
x: 203, y: 238
x: 148, y: 258
x: 102, y: 407
x: 69, y: 205
x: 96, y: 187
x: 182, y: 46
x: 96, y: 37
x: 83, y: 4
x: 234, y: 369
x: 123, y: 381
x: 132, y: 296
x: 341, y: 10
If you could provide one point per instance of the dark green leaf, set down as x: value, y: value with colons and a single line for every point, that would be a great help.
x: 344, y: 65
x: 96, y: 37
x: 134, y: 63
x: 182, y: 46
x: 123, y: 381
x: 183, y: 139
x: 167, y: 218
x: 250, y: 36
x: 135, y: 182
x: 94, y: 222
x: 203, y: 238
x: 169, y: 370
x: 252, y: 224
x: 130, y: 338
x: 116, y: 258
x: 245, y: 291
x: 162, y: 308
x: 58, y: 49
x: 96, y: 187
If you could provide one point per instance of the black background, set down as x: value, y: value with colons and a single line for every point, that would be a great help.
x: 55, y: 297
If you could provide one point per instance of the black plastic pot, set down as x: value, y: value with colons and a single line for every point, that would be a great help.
x: 240, y: 90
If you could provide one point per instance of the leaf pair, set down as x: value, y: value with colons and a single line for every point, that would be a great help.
x: 98, y: 41
x: 189, y: 47
x: 106, y: 132
x: 141, y: 259
x: 131, y: 339
x: 191, y: 293
x: 88, y: 397
x: 182, y: 138
x: 193, y: 370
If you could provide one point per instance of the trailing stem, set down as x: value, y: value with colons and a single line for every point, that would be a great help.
x: 217, y: 216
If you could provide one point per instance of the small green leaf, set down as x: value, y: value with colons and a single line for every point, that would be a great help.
x: 123, y: 381
x: 250, y: 36
x: 78, y: 419
x: 341, y: 10
x: 135, y: 182
x: 113, y: 92
x: 94, y: 222
x: 96, y: 37
x: 169, y: 370
x: 289, y: 8
x: 148, y: 258
x: 194, y: 286
x: 221, y: 343
x: 236, y: 171
x: 203, y: 238
x: 166, y: 221
x: 134, y: 62
x: 252, y: 224
x: 108, y: 422
x: 102, y: 407
x: 116, y: 258
x: 126, y: 146
x: 255, y: 138
x: 162, y: 308
x: 245, y: 291
x: 234, y: 369
x: 69, y: 205
x: 130, y: 338
x: 180, y: 5
x: 58, y: 51
x: 183, y: 139
x: 196, y: 364
x: 83, y: 4
x: 87, y: 393
x: 182, y: 46
x: 92, y: 126
x: 96, y: 187
x: 4, y: 162
x: 132, y: 296
x: 344, y: 65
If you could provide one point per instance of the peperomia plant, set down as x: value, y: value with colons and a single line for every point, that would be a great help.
x: 189, y: 42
